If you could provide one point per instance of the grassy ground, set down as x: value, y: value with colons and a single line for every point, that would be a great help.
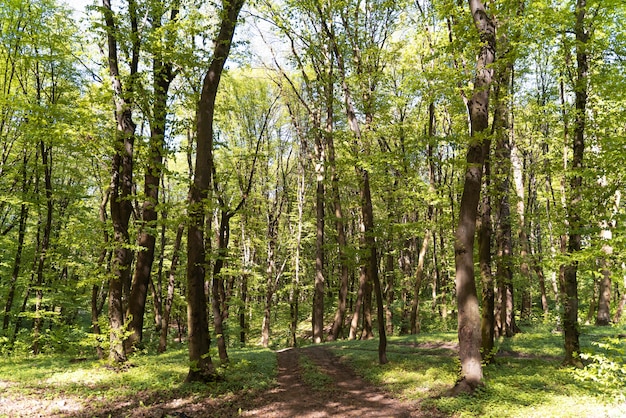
x: 149, y: 378
x: 526, y: 379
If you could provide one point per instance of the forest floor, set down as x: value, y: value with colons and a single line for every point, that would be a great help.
x: 332, y: 390
x: 343, y: 395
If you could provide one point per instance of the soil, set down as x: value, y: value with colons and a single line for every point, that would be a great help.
x: 346, y: 395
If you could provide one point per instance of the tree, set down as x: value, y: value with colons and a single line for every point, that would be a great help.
x: 121, y: 174
x: 163, y: 75
x: 467, y: 300
x: 574, y: 196
x: 201, y: 365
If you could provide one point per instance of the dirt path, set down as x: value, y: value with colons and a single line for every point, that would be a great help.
x: 346, y: 396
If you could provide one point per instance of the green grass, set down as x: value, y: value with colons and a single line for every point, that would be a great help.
x: 528, y: 381
x: 150, y: 375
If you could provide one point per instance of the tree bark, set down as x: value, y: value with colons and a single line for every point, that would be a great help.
x: 574, y: 242
x: 318, y: 294
x: 467, y: 300
x: 121, y: 180
x: 167, y: 307
x: 485, y: 232
x: 419, y: 276
x: 162, y: 78
x: 202, y: 367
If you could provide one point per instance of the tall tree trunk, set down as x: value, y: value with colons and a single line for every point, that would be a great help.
x: 467, y: 299
x: 270, y: 275
x: 505, y: 159
x: 46, y: 161
x: 202, y: 367
x: 162, y: 78
x: 372, y: 262
x: 121, y: 179
x: 574, y: 244
x: 294, y: 293
x: 218, y: 300
x: 341, y: 241
x: 318, y: 293
x: 485, y: 232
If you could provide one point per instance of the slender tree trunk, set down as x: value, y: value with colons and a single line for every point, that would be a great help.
x: 342, y: 244
x: 270, y: 275
x: 467, y: 300
x: 419, y: 275
x: 574, y: 244
x: 294, y: 294
x: 485, y: 232
x: 202, y: 367
x: 46, y: 161
x: 167, y: 307
x: 218, y: 299
x: 505, y: 320
x: 17, y: 263
x: 318, y: 294
x: 621, y: 304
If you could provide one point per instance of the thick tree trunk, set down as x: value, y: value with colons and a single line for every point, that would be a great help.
x: 163, y: 77
x: 121, y: 181
x: 202, y: 367
x: 467, y: 301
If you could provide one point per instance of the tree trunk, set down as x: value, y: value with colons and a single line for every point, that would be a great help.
x: 121, y: 181
x: 270, y: 276
x: 575, y: 197
x: 604, y: 300
x: 218, y: 300
x: 318, y: 294
x: 46, y: 161
x: 171, y: 275
x: 162, y: 78
x: 419, y: 275
x: 485, y: 232
x: 201, y: 365
x: 17, y: 264
x: 621, y: 304
x: 467, y: 301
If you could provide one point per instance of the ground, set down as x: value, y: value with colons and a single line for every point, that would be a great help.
x: 343, y: 395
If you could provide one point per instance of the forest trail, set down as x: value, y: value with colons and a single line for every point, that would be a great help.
x: 343, y: 395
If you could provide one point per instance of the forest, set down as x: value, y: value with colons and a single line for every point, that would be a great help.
x: 216, y: 180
